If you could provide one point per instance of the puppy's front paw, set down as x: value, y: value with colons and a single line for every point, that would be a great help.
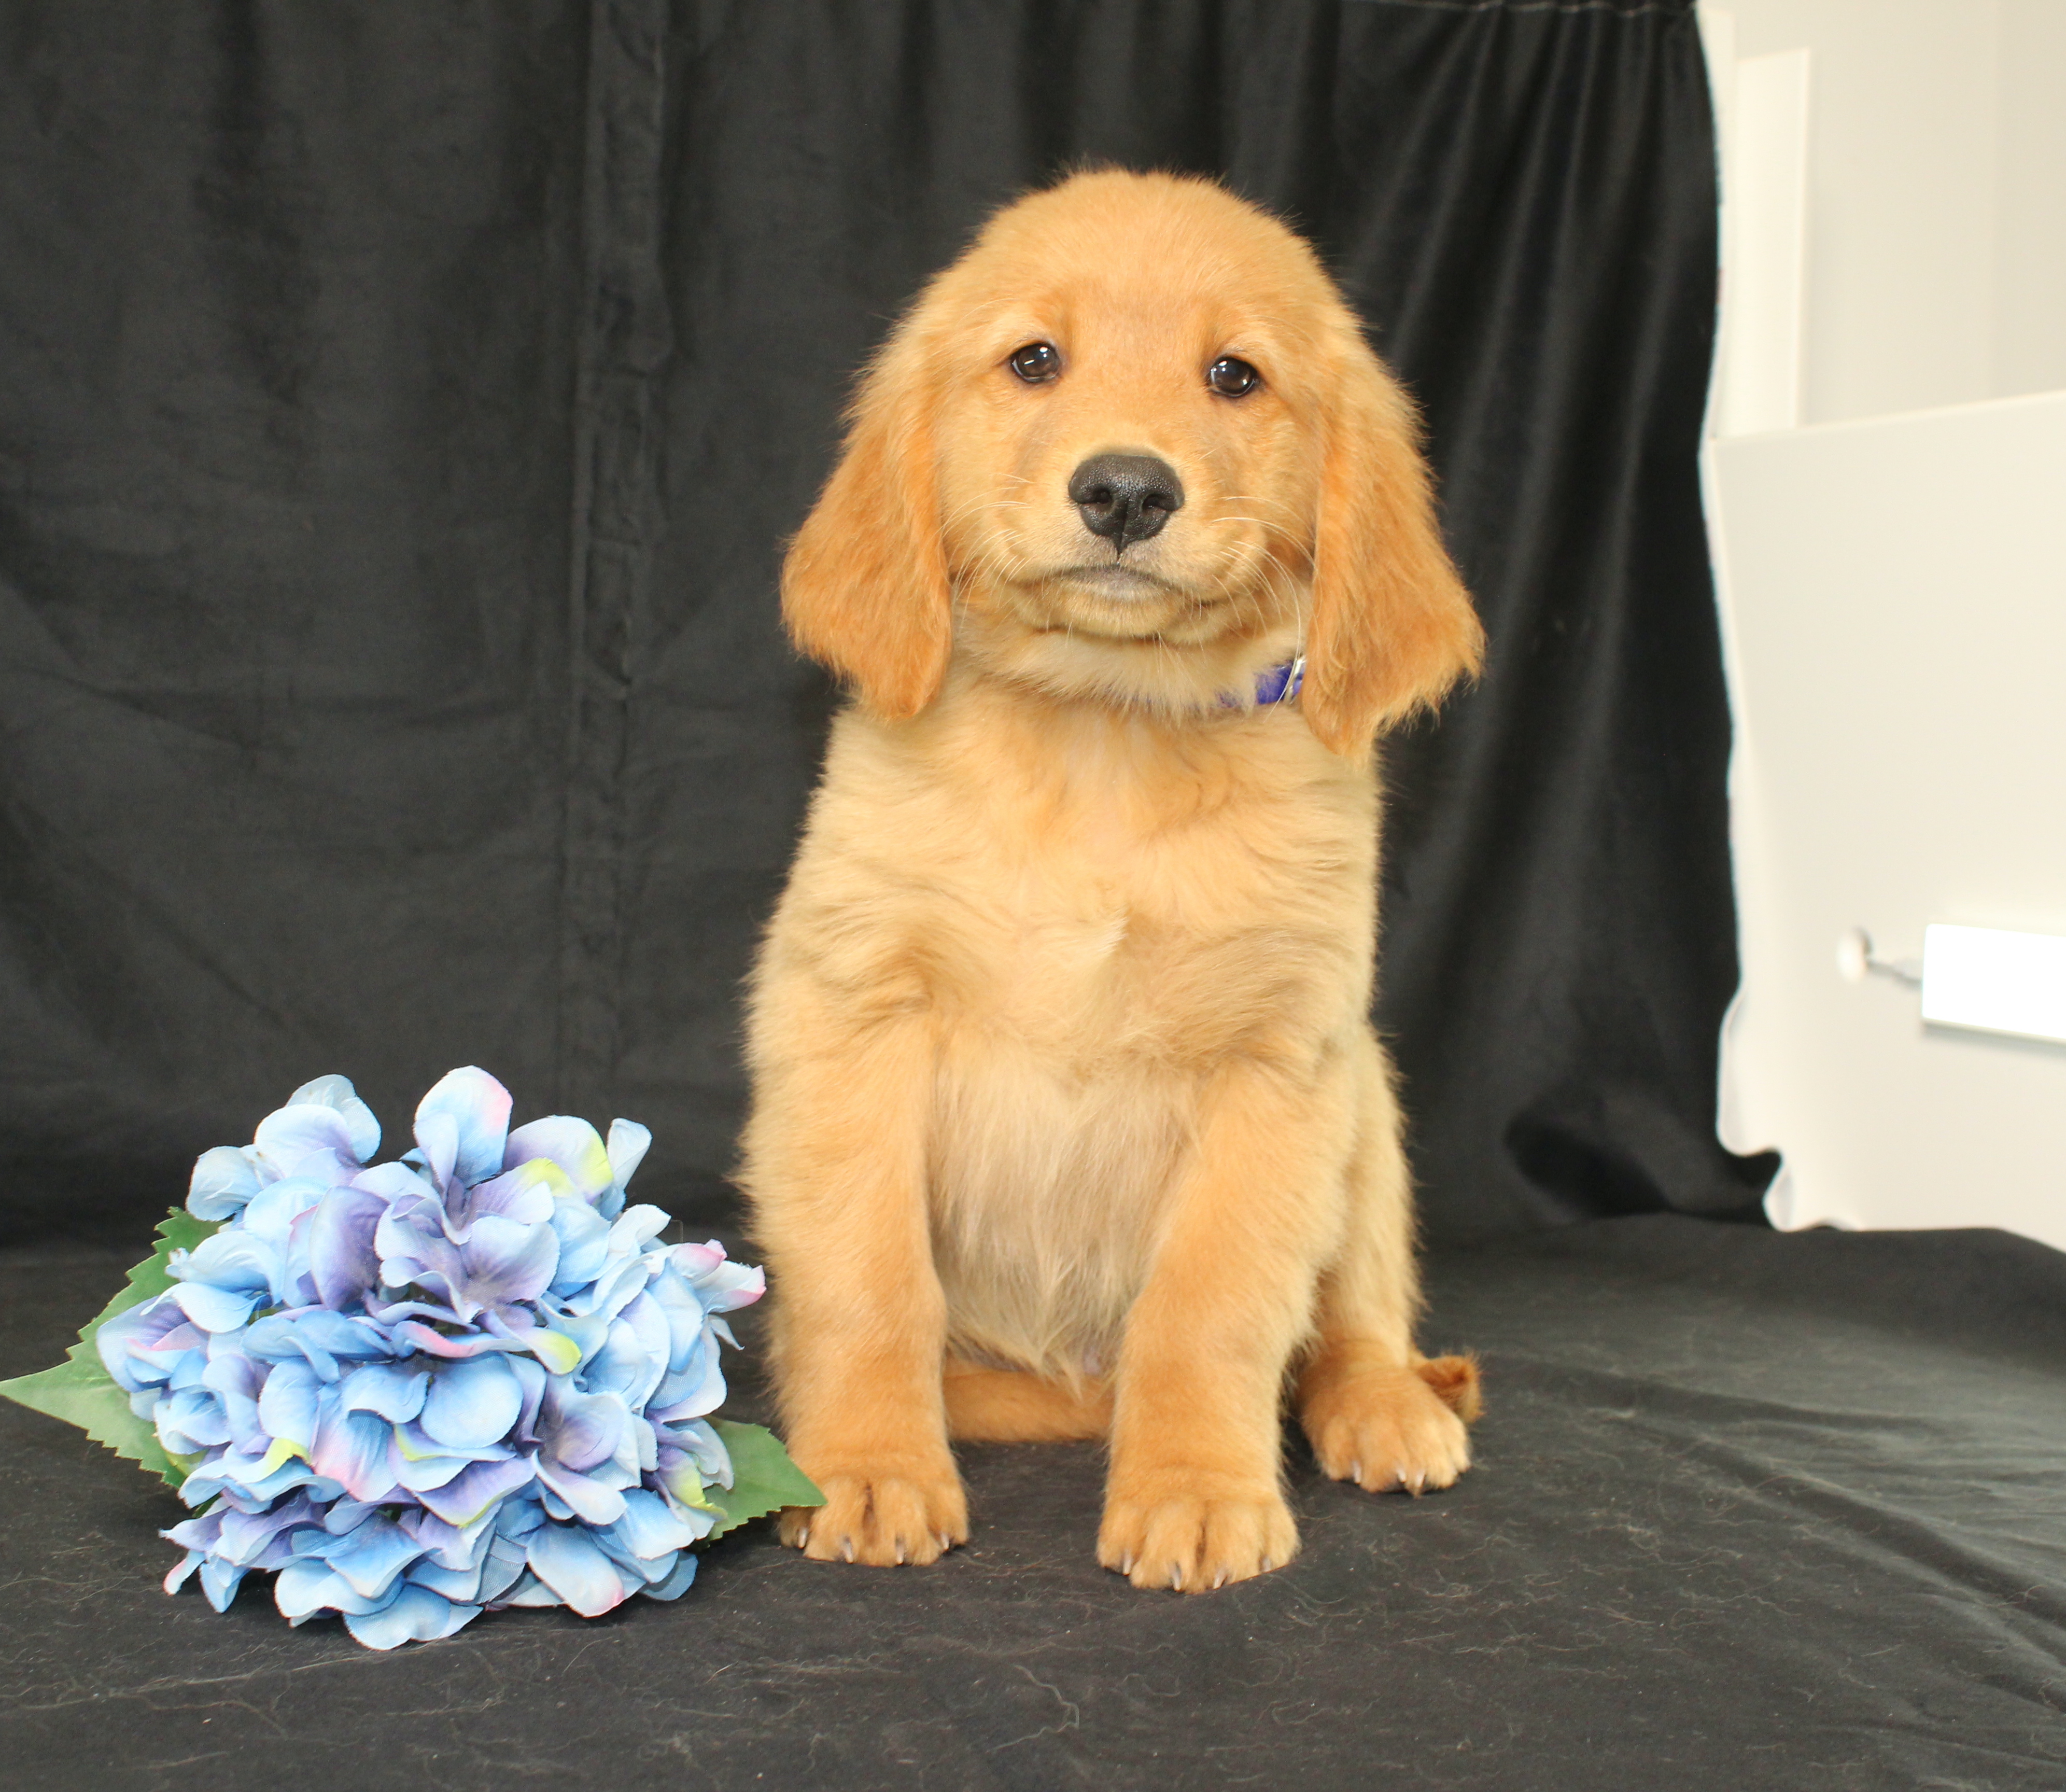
x: 1384, y: 1428
x: 882, y: 1520
x: 1192, y: 1533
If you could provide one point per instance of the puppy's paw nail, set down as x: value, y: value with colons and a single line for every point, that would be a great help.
x: 804, y: 1538
x: 1126, y: 1563
x: 1355, y: 1473
x: 846, y: 1549
x: 1268, y: 1563
x: 900, y: 1552
x: 1219, y: 1579
x: 1176, y: 1579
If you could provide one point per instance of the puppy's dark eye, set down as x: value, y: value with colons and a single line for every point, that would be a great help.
x: 1232, y: 379
x: 1036, y: 363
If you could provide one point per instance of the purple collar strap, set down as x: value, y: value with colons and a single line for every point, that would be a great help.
x: 1280, y: 685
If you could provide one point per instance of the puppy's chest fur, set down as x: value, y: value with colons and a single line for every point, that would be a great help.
x: 1091, y: 926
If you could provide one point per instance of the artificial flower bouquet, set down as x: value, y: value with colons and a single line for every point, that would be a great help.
x: 420, y: 1390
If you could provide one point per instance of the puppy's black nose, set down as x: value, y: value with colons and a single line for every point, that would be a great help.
x: 1125, y: 497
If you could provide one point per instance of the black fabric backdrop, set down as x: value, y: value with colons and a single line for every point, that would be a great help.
x: 401, y: 410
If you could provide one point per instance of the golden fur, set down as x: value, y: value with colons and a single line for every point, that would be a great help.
x: 1068, y: 1118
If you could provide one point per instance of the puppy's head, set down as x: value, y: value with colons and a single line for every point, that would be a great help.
x: 1134, y: 444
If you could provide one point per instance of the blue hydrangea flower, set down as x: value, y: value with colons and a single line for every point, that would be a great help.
x: 417, y: 1390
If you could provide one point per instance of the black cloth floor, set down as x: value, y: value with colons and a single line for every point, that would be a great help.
x: 1750, y: 1510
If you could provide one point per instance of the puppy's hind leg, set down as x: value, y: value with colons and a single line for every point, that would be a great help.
x: 1376, y: 1411
x: 1013, y: 1406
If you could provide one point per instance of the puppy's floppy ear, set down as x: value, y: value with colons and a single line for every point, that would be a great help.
x: 1391, y: 626
x: 864, y: 588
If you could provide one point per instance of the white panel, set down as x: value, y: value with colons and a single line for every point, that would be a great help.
x: 1997, y: 981
x: 1895, y: 615
x: 1764, y: 245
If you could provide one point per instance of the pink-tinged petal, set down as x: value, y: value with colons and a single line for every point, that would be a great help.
x: 342, y: 1262
x: 442, y: 1344
x: 223, y: 1181
x: 478, y: 1107
x: 566, y: 1561
x: 721, y: 1286
x: 473, y: 1402
x: 361, y: 1128
x: 351, y: 1449
x: 476, y: 1488
x: 571, y: 1143
x: 413, y: 1614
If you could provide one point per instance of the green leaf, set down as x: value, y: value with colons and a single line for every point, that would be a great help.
x: 764, y: 1479
x: 81, y: 1392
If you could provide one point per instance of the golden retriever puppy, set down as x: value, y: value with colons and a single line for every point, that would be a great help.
x: 1068, y: 1119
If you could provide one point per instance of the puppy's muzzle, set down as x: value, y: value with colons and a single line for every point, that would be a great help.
x: 1125, y: 498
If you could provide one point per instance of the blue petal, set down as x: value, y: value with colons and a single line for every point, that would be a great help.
x: 476, y: 1488
x: 370, y: 1556
x: 628, y: 1143
x: 415, y: 1615
x: 565, y: 1560
x: 648, y: 1528
x: 223, y: 1181
x: 214, y: 1309
x: 525, y: 1194
x: 677, y: 1582
x: 342, y: 1262
x: 570, y: 1143
x: 505, y: 1261
x: 459, y: 1584
x: 587, y: 1499
x: 361, y: 1127
x: 394, y: 1390
x: 478, y: 1107
x: 231, y: 1258
x: 473, y: 1402
x: 308, y: 1588
x: 287, y: 1405
x: 289, y: 1138
x: 218, y: 1581
x: 584, y: 1236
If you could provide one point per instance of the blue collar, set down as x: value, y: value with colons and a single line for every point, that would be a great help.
x: 1280, y: 685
